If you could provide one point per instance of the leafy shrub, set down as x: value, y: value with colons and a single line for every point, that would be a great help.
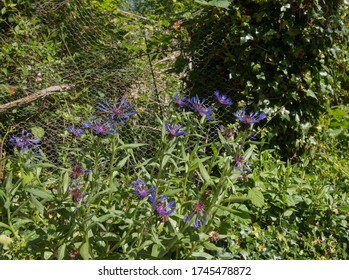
x: 195, y: 198
x: 284, y: 56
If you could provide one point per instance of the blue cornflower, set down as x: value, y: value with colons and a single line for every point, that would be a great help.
x: 241, y: 164
x: 75, y: 131
x: 198, y: 106
x: 223, y: 99
x: 118, y: 112
x: 181, y: 102
x: 24, y: 141
x: 199, y: 212
x: 140, y: 189
x: 162, y: 207
x: 174, y: 130
x: 251, y: 118
x: 99, y: 127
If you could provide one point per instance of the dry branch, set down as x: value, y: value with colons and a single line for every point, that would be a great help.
x: 35, y: 96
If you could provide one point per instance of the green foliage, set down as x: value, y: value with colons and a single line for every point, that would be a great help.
x: 235, y: 197
x: 274, y: 55
x: 277, y: 210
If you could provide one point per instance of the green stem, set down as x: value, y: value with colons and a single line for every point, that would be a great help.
x: 95, y: 169
x: 10, y: 223
x: 111, y: 167
x: 173, y: 242
x: 117, y: 245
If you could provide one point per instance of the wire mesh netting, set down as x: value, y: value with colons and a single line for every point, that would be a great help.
x: 89, y: 55
x: 93, y: 62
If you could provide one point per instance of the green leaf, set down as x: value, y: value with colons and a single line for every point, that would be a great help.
x: 216, y: 3
x: 202, y: 255
x: 7, y: 204
x: 335, y: 132
x: 61, y: 252
x: 39, y: 193
x: 288, y: 212
x: 256, y: 197
x: 130, y: 146
x: 38, y: 132
x: 241, y: 213
x: 343, y: 207
x: 8, y: 183
x: 4, y: 225
x: 65, y: 182
x: 237, y: 199
x: 211, y: 247
x: 27, y: 178
x: 84, y: 251
x: 45, y: 165
x: 47, y: 255
x: 173, y: 192
x: 122, y: 162
x: 155, y: 251
x: 310, y: 93
x: 38, y: 205
x: 204, y: 173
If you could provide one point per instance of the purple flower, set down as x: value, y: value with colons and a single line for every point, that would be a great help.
x: 76, y: 193
x: 162, y: 207
x: 223, y: 99
x: 251, y: 118
x: 99, y: 127
x: 77, y: 171
x: 227, y: 132
x: 75, y: 131
x: 140, y: 189
x: 174, y: 130
x: 198, y: 212
x: 119, y: 112
x: 241, y: 164
x: 181, y: 102
x: 24, y: 141
x: 198, y: 106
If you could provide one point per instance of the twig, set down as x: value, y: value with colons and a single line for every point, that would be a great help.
x: 130, y: 14
x: 35, y: 96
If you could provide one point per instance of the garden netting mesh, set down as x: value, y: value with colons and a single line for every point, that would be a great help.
x: 82, y: 53
x: 98, y: 58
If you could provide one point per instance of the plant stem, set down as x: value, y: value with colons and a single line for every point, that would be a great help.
x: 111, y: 167
x: 10, y: 223
x: 117, y: 245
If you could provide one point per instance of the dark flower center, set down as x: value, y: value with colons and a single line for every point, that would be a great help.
x: 247, y: 119
x: 101, y: 129
x: 118, y: 111
x: 76, y: 195
x: 199, y: 208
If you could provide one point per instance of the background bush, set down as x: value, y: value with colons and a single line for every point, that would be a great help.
x: 282, y: 56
